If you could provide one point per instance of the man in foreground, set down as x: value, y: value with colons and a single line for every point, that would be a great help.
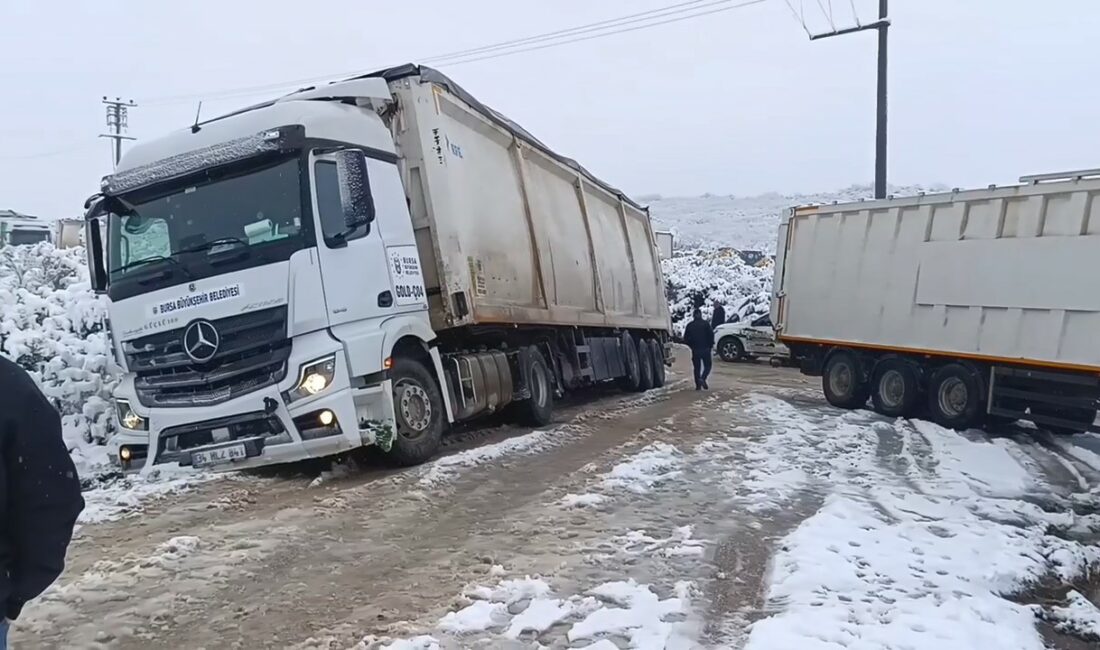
x: 39, y: 493
x: 699, y: 336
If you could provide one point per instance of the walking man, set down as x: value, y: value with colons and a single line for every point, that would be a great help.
x: 699, y: 336
x: 39, y: 493
x: 719, y: 315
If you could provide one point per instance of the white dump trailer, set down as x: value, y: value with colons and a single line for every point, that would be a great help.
x: 364, y: 262
x: 962, y: 305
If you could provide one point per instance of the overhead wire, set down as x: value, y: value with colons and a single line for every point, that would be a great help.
x: 599, y: 29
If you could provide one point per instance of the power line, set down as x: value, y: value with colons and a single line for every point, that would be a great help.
x: 49, y: 154
x: 601, y: 35
x: 506, y: 48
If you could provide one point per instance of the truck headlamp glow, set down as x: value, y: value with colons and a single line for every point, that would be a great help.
x: 314, y: 377
x: 128, y: 419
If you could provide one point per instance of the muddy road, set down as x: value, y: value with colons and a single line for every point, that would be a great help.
x: 516, y: 537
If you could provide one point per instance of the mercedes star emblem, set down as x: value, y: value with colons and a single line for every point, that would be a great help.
x: 200, y: 341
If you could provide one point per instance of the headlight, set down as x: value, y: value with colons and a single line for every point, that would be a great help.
x: 128, y: 419
x: 314, y: 377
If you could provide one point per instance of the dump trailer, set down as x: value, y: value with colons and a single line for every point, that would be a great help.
x: 963, y: 306
x: 23, y: 230
x: 363, y: 263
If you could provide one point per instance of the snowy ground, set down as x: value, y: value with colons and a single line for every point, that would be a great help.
x: 752, y: 516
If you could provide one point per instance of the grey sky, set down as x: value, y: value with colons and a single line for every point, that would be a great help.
x: 736, y: 102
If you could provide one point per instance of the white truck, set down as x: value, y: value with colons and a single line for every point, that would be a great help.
x: 964, y: 306
x: 364, y: 262
x: 19, y: 229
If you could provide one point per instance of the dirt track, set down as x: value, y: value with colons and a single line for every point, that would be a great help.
x: 275, y: 562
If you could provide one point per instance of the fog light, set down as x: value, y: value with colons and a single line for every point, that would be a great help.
x: 125, y: 454
x: 327, y: 417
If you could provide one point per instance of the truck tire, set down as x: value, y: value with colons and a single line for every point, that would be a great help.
x: 658, y: 356
x: 632, y: 380
x: 537, y: 410
x: 842, y: 381
x: 730, y: 348
x: 645, y: 366
x: 895, y: 388
x: 418, y: 414
x: 955, y: 397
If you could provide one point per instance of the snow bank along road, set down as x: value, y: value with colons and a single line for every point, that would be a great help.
x: 749, y: 516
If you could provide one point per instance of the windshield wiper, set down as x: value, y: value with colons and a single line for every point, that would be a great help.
x: 207, y: 245
x: 151, y: 259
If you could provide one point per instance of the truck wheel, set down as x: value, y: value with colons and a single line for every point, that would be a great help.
x: 418, y: 413
x: 658, y: 356
x: 895, y: 388
x: 633, y: 378
x: 645, y: 365
x: 843, y: 383
x: 955, y: 397
x: 537, y: 410
x: 730, y: 348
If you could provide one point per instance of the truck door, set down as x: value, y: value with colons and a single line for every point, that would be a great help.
x: 354, y: 266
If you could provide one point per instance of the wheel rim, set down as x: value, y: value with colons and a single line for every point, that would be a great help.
x: 415, y: 406
x: 840, y: 379
x: 729, y: 350
x: 891, y: 388
x: 953, y: 397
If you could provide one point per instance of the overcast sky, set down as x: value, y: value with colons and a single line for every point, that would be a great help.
x: 737, y: 102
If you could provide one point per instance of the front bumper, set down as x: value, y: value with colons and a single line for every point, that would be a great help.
x: 271, y: 429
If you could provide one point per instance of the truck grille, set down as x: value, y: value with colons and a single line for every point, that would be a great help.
x: 251, y: 354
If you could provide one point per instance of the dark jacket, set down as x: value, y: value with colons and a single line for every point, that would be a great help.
x: 719, y: 316
x: 39, y: 491
x: 699, y: 336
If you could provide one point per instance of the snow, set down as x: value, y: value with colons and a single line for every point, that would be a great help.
x: 636, y: 612
x: 477, y: 617
x: 52, y: 324
x: 698, y: 278
x: 748, y: 223
x: 927, y: 555
x: 125, y: 495
x: 448, y: 468
x: 1078, y: 617
x: 586, y: 500
x: 654, y: 464
x: 539, y: 616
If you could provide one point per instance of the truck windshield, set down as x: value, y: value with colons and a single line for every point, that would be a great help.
x: 216, y: 225
x: 23, y: 237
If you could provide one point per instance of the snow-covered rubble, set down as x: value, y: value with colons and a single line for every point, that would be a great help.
x: 53, y: 325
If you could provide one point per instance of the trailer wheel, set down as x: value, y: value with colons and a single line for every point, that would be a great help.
x: 537, y: 410
x: 843, y: 382
x: 658, y: 356
x: 955, y: 397
x: 895, y: 388
x: 418, y: 413
x: 645, y: 365
x: 730, y: 348
x: 632, y: 380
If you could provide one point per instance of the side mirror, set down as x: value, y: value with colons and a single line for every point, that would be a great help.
x: 93, y: 237
x: 355, y: 195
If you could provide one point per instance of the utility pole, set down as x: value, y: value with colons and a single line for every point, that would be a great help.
x: 117, y: 122
x: 883, y: 26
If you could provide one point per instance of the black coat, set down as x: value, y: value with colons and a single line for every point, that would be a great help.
x: 39, y: 491
x: 699, y: 336
x: 719, y: 316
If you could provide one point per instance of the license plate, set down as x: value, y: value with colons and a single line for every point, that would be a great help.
x: 218, y: 456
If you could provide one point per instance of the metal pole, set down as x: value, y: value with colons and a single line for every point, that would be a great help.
x: 880, y: 126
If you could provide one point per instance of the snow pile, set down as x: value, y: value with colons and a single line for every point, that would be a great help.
x: 53, y: 325
x: 745, y: 222
x: 926, y: 552
x: 1078, y: 617
x: 448, y: 468
x: 697, y: 278
x: 527, y: 610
